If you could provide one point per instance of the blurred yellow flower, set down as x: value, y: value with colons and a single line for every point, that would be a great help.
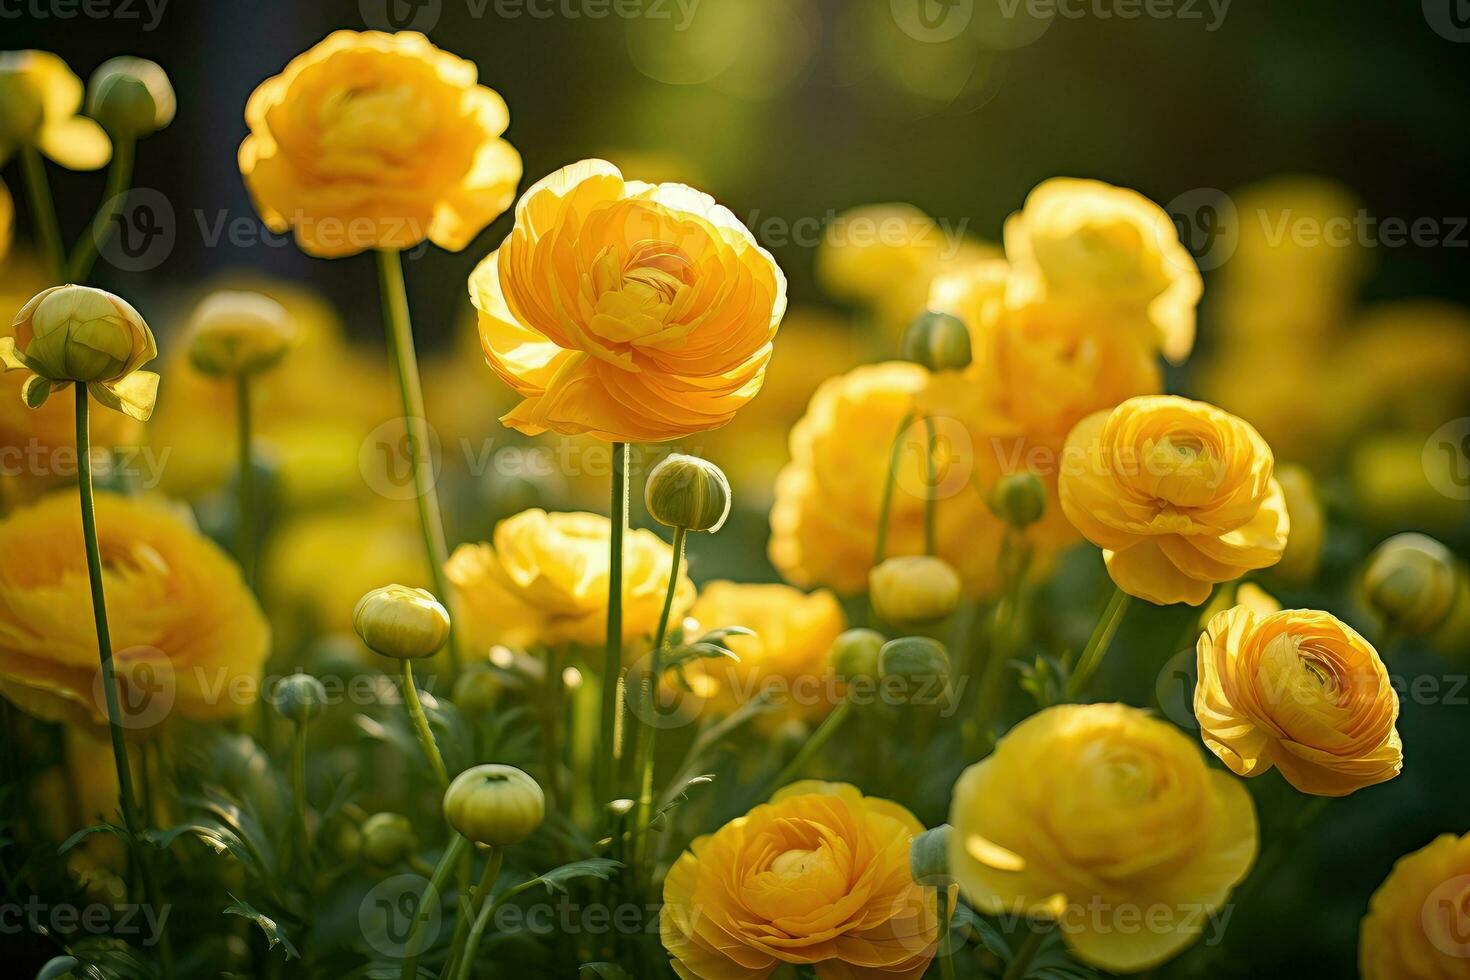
x: 633, y: 312
x: 786, y: 659
x: 234, y: 332
x: 544, y: 580
x: 7, y: 219
x: 1303, y: 554
x: 39, y: 101
x: 1301, y: 691
x: 1415, y: 926
x: 182, y: 620
x: 1101, y: 817
x: 820, y: 876
x: 373, y: 140
x: 1178, y: 494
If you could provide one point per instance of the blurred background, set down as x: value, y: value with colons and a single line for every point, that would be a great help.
x: 1313, y: 154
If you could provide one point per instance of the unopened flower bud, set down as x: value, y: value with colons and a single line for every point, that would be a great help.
x: 476, y: 691
x: 914, y: 589
x: 915, y: 659
x: 130, y: 97
x: 1303, y: 554
x: 494, y: 804
x: 1411, y: 581
x: 938, y: 341
x: 929, y: 856
x: 1019, y: 499
x: 403, y: 623
x: 344, y: 838
x: 234, y: 333
x: 688, y: 492
x: 854, y: 653
x: 300, y: 697
x: 387, y: 838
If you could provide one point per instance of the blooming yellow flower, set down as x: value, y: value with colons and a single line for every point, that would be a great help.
x: 634, y: 312
x: 820, y: 876
x: 1178, y: 494
x: 182, y: 620
x: 786, y: 659
x: 1301, y: 691
x: 1102, y: 817
x: 7, y: 219
x: 1415, y: 926
x: 39, y: 100
x: 544, y: 580
x: 373, y: 140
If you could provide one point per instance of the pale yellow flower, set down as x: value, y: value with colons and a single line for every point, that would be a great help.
x: 1415, y: 926
x: 39, y: 101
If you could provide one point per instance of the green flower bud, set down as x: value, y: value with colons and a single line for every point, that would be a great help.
x: 403, y: 623
x: 1303, y: 554
x: 387, y: 839
x: 914, y: 658
x: 344, y: 838
x: 476, y: 691
x: 1019, y: 499
x: 914, y: 589
x: 77, y: 334
x: 494, y: 805
x: 855, y: 653
x: 1411, y: 581
x: 130, y: 97
x: 929, y: 856
x: 618, y: 809
x: 234, y: 333
x: 300, y: 698
x: 938, y: 341
x: 688, y: 492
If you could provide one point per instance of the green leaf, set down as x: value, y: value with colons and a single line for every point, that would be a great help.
x: 273, y: 934
x: 679, y: 796
x: 85, y: 832
x: 604, y: 971
x: 58, y: 966
x: 557, y: 878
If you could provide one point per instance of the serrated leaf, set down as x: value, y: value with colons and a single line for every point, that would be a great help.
x: 85, y: 832
x: 273, y: 935
x: 557, y: 878
x: 680, y: 795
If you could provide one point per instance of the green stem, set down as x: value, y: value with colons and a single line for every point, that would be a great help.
x: 298, y: 790
x: 1021, y: 962
x: 649, y: 700
x: 118, y: 176
x: 813, y: 745
x: 394, y: 296
x: 612, y: 659
x: 245, y: 543
x: 43, y: 208
x: 128, y: 801
x: 929, y: 502
x: 429, y: 899
x: 550, y: 726
x: 465, y: 958
x: 1015, y: 557
x: 946, y: 959
x: 1097, y: 644
x: 421, y: 725
x: 895, y: 453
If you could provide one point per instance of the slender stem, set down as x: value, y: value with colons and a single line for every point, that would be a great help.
x: 458, y: 846
x: 394, y: 296
x: 813, y: 745
x: 128, y: 801
x: 612, y: 660
x: 298, y: 790
x: 946, y: 959
x: 1097, y: 644
x: 48, y: 230
x: 1021, y: 962
x: 245, y: 543
x: 421, y: 725
x: 929, y: 491
x: 465, y: 958
x: 118, y: 176
x: 551, y: 724
x: 649, y: 700
x: 880, y: 544
x: 1015, y: 557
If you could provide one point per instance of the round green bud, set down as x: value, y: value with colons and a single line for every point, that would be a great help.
x: 344, y: 837
x: 130, y: 97
x: 854, y: 653
x: 387, y: 839
x: 300, y: 697
x: 403, y: 623
x: 234, y: 333
x: 914, y: 658
x: 77, y: 333
x: 688, y: 492
x: 620, y: 808
x: 1411, y: 581
x: 1019, y: 499
x: 929, y: 856
x: 914, y: 589
x: 938, y: 341
x: 494, y: 805
x: 476, y: 691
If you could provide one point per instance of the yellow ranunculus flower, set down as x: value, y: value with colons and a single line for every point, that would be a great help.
x: 1299, y: 690
x: 182, y: 620
x: 1178, y: 494
x: 7, y: 219
x: 785, y: 659
x: 1102, y: 817
x: 1415, y: 926
x: 633, y: 312
x: 1108, y: 250
x: 234, y: 332
x: 373, y: 140
x: 820, y: 876
x: 544, y: 579
x: 39, y: 100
